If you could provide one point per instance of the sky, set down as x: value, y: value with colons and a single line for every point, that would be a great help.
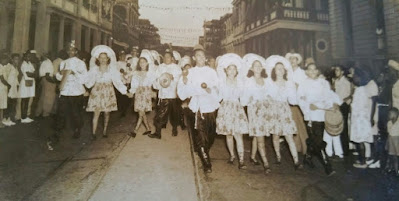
x: 180, y: 21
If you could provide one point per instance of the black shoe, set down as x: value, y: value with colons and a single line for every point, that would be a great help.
x: 174, y: 132
x: 207, y: 169
x: 132, y: 134
x: 147, y: 133
x: 155, y: 135
x: 183, y: 127
x: 231, y: 160
x: 105, y: 136
x: 267, y: 169
x: 241, y: 165
x: 308, y: 161
x: 254, y: 161
x: 298, y: 166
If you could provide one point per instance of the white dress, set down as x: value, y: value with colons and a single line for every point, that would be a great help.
x: 283, y: 123
x: 14, y: 82
x: 27, y: 91
x: 3, y: 88
x: 361, y: 129
x: 231, y: 118
x: 259, y: 103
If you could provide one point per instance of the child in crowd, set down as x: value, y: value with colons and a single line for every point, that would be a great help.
x: 392, y: 145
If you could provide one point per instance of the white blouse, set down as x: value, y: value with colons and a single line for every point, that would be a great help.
x: 201, y: 100
x: 257, y: 92
x: 46, y: 67
x: 319, y: 93
x: 171, y: 91
x: 141, y: 81
x: 231, y: 93
x: 286, y: 93
x: 110, y: 76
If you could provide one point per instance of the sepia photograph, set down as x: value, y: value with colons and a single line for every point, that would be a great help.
x: 199, y: 100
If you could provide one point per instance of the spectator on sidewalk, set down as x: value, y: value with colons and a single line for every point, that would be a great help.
x: 392, y: 145
x: 103, y: 76
x: 13, y: 80
x: 48, y: 88
x: 201, y: 85
x: 27, y: 86
x: 4, y: 86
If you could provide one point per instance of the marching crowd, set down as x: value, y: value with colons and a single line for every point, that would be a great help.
x: 341, y: 112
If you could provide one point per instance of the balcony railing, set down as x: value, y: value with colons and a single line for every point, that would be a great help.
x: 292, y: 14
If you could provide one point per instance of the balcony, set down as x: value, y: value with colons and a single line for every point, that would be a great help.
x: 291, y: 14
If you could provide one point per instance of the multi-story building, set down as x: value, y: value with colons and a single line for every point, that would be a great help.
x: 125, y: 29
x: 268, y: 27
x: 149, y: 37
x: 213, y: 33
x: 48, y: 25
x: 364, y: 31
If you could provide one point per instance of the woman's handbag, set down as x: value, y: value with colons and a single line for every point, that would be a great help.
x: 28, y: 83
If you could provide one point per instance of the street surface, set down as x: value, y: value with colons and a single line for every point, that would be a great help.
x: 123, y: 168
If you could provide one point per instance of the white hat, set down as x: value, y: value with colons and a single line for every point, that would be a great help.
x: 147, y: 55
x: 298, y: 56
x: 176, y: 55
x: 227, y: 60
x: 249, y: 60
x: 184, y: 61
x: 393, y: 64
x: 135, y: 47
x: 155, y: 56
x: 99, y: 49
x: 273, y: 60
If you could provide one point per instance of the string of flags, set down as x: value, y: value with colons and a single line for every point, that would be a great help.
x: 188, y: 8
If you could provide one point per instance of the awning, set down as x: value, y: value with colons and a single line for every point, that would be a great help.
x: 123, y: 44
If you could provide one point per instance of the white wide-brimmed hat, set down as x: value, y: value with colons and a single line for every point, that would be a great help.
x: 147, y: 55
x: 273, y: 60
x: 155, y: 56
x: 249, y: 60
x: 176, y: 55
x: 227, y: 60
x: 99, y: 49
x: 298, y: 56
x: 184, y: 61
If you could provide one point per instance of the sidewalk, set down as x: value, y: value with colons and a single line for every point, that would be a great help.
x: 151, y: 169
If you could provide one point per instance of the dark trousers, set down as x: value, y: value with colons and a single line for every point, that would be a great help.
x: 166, y: 108
x: 206, y: 130
x: 315, y: 132
x: 11, y: 108
x: 123, y: 102
x: 69, y: 107
x: 24, y: 107
x: 345, y: 108
x: 189, y: 118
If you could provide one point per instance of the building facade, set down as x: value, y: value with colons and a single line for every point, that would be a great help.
x: 149, y: 37
x: 125, y: 27
x: 364, y: 31
x: 268, y: 27
x: 213, y: 33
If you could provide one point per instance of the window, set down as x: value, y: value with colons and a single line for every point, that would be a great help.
x: 299, y: 3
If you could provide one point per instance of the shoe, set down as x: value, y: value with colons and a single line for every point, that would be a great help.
x: 359, y: 165
x: 241, y: 165
x: 298, y: 166
x: 30, y: 120
x: 93, y: 137
x: 370, y: 161
x: 147, y: 132
x: 375, y: 165
x: 207, y: 169
x: 231, y: 160
x: 267, y: 169
x: 183, y: 127
x: 254, y: 161
x: 155, y: 135
x: 308, y: 161
x: 174, y: 132
x: 6, y: 123
x: 11, y: 123
x: 24, y: 121
x: 133, y: 134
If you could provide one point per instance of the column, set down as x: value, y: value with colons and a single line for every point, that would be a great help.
x: 42, y: 28
x: 96, y: 37
x: 87, y: 39
x: 61, y: 33
x: 4, y: 25
x: 76, y: 33
x: 20, y: 40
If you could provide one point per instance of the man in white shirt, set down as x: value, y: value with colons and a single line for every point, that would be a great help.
x: 72, y: 75
x: 167, y: 95
x: 48, y: 87
x: 201, y: 85
x: 133, y: 57
x: 343, y: 89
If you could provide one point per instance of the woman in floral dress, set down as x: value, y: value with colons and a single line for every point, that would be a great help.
x: 258, y: 100
x: 103, y: 76
x: 141, y: 86
x: 231, y: 119
x: 283, y: 92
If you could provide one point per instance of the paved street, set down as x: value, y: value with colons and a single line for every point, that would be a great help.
x: 125, y: 168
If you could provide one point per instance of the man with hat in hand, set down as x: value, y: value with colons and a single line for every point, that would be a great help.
x: 167, y: 75
x: 201, y: 85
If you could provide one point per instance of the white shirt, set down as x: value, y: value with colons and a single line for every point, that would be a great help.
x: 342, y: 87
x: 254, y: 92
x: 74, y: 84
x: 319, y: 93
x: 299, y: 75
x: 110, y: 76
x: 171, y: 91
x: 133, y: 63
x: 141, y: 81
x: 286, y: 93
x: 201, y: 101
x: 46, y: 67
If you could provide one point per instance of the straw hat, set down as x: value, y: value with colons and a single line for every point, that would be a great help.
x: 165, y: 80
x: 298, y: 56
x: 334, y: 122
x: 273, y: 60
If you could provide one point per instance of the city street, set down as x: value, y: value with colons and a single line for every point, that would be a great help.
x: 124, y: 168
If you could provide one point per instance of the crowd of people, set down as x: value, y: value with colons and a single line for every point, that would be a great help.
x: 342, y: 112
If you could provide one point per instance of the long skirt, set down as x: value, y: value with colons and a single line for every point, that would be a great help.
x: 102, y: 98
x: 302, y: 134
x: 259, y: 118
x: 231, y: 119
x: 47, y: 98
x: 282, y: 123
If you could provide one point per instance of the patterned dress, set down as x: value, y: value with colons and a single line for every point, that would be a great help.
x: 141, y: 86
x: 282, y: 122
x: 361, y: 129
x: 102, y: 97
x: 259, y: 103
x: 231, y: 118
